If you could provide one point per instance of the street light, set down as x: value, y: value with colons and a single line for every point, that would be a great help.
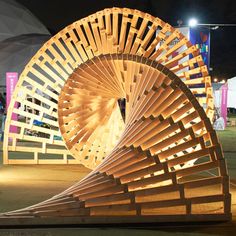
x: 193, y: 22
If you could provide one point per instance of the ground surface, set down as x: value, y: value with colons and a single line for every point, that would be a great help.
x: 24, y: 185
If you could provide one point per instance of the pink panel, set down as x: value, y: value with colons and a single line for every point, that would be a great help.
x: 223, y: 108
x: 11, y: 81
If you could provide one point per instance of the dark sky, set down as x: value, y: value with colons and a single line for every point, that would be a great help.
x: 56, y: 14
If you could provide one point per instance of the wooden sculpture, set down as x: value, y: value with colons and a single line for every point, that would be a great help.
x: 153, y: 167
x: 105, y: 32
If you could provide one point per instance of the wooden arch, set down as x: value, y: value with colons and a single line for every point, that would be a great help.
x: 109, y: 31
x: 157, y: 171
x: 154, y: 166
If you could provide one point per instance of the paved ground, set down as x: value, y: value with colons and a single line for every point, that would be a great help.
x: 17, y: 183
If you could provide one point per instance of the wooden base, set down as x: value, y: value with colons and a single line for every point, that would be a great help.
x: 108, y: 220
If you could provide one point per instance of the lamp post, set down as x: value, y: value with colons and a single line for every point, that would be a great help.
x: 194, y: 24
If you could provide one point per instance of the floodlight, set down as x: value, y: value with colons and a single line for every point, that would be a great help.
x: 193, y: 22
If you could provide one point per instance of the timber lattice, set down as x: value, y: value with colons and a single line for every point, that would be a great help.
x: 154, y: 166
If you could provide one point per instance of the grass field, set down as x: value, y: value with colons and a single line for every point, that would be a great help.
x: 228, y: 139
x: 231, y: 115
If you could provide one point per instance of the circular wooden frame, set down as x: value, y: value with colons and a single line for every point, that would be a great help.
x: 153, y: 167
x: 115, y: 30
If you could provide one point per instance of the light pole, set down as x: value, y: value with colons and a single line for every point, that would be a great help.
x: 193, y: 23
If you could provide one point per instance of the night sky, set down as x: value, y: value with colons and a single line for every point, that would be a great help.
x: 55, y: 15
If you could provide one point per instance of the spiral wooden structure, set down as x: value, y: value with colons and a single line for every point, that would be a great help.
x: 106, y: 32
x: 154, y: 166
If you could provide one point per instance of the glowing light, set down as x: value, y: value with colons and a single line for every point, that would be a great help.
x: 193, y: 22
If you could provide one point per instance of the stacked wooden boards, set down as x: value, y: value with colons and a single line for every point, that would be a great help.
x: 111, y: 31
x: 158, y: 170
